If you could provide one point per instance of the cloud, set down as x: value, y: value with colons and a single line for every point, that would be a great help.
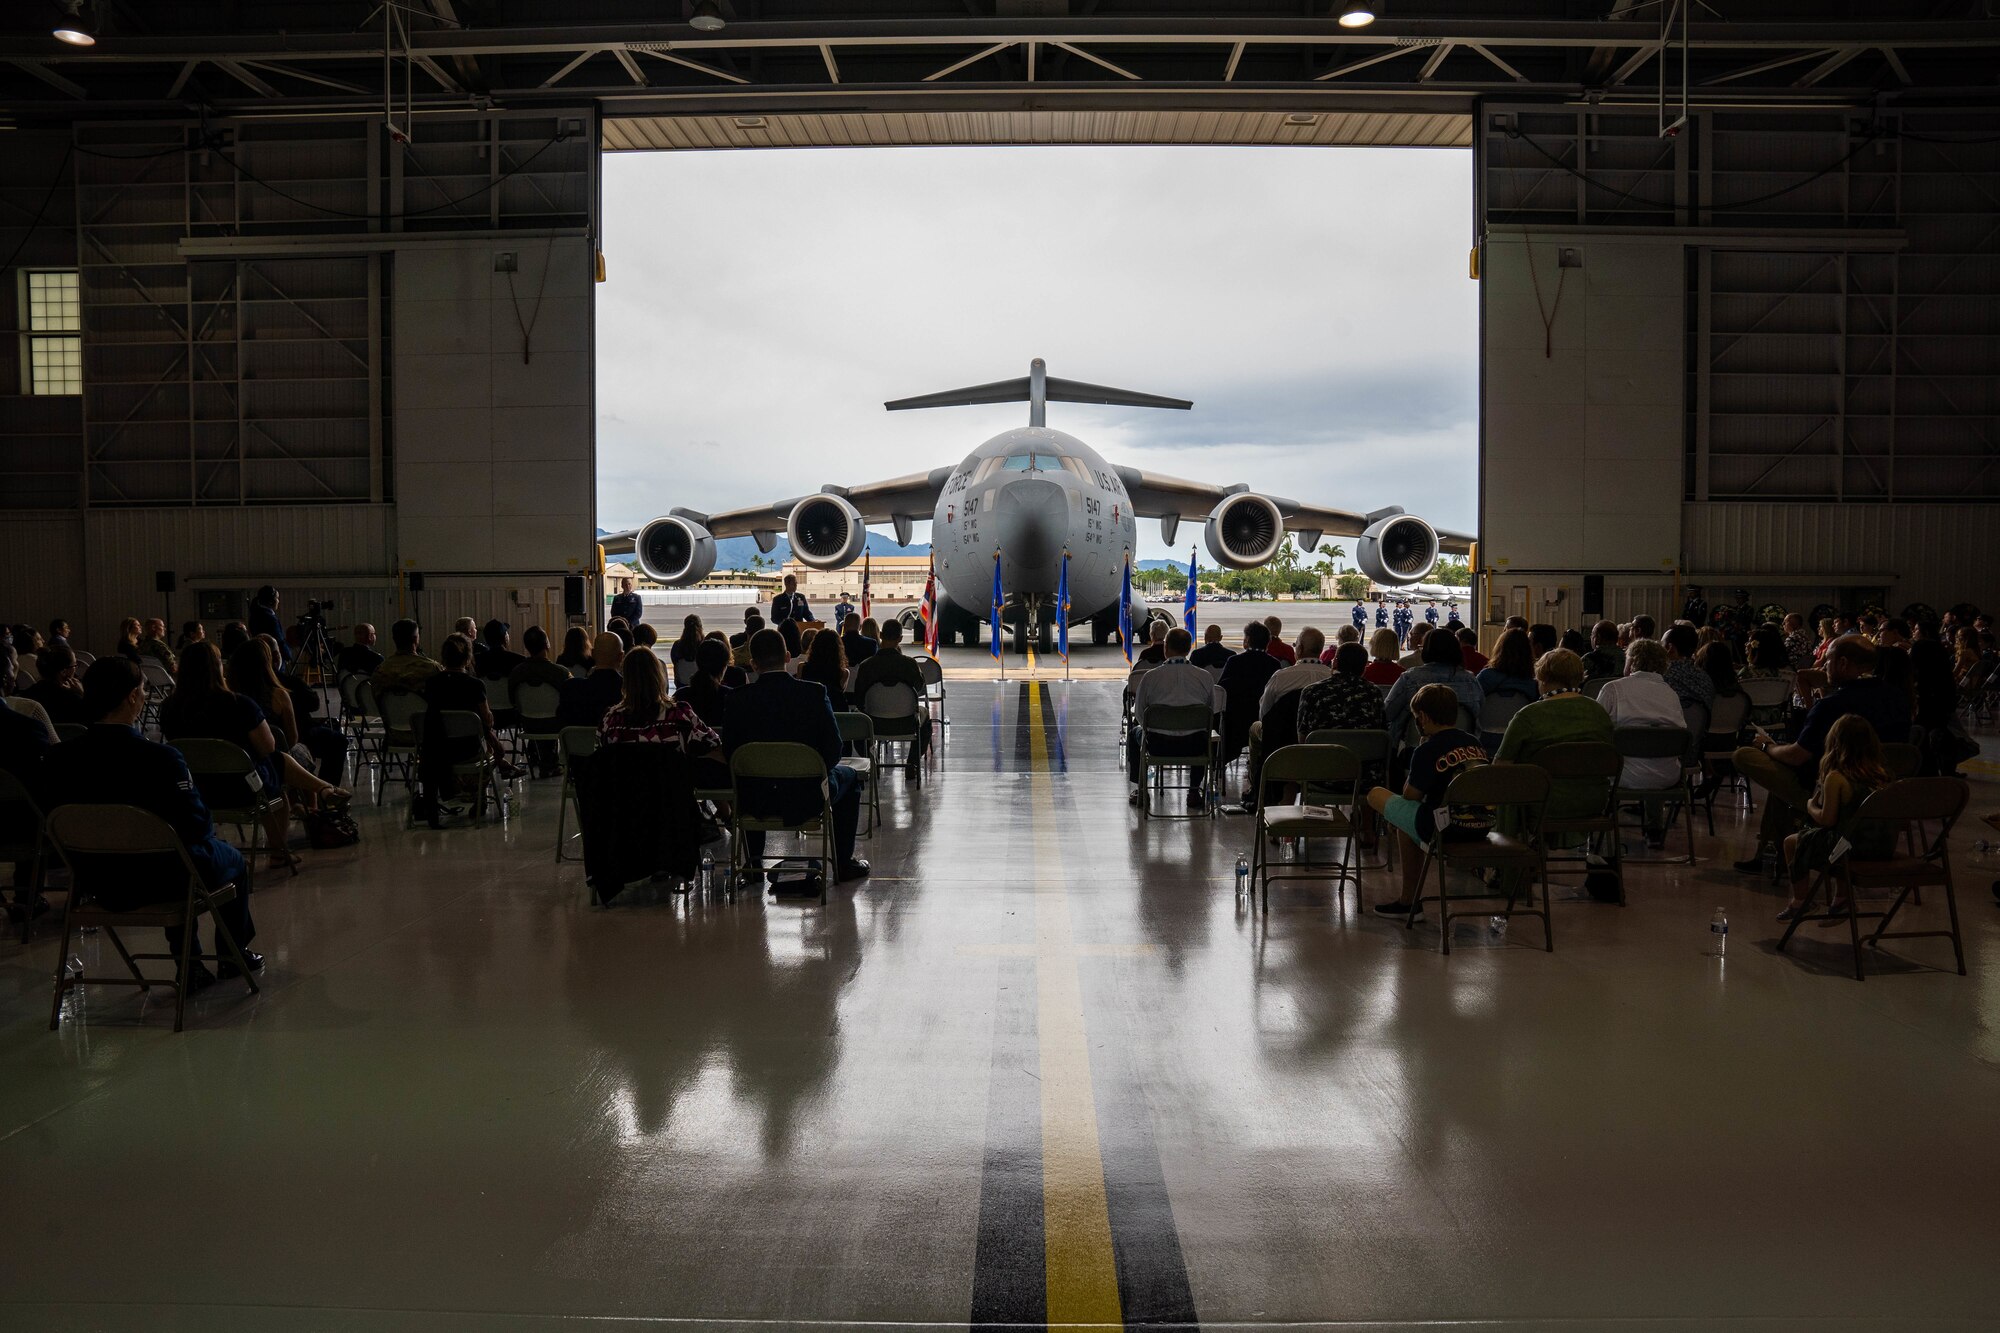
x: 1313, y: 303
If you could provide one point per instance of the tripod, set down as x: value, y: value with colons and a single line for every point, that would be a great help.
x: 315, y: 654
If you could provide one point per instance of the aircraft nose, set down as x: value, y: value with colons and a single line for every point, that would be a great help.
x: 1032, y: 521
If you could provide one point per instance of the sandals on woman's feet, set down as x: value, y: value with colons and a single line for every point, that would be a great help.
x: 285, y: 861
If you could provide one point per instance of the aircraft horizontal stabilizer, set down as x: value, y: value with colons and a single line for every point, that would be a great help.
x: 1021, y: 391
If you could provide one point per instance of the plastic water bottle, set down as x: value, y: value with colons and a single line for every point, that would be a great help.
x: 706, y: 884
x: 1242, y: 876
x: 1496, y: 927
x: 1718, y: 934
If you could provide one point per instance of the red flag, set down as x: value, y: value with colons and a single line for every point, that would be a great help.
x: 929, y: 611
x: 866, y: 601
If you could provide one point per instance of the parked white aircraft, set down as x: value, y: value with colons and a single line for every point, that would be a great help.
x: 1023, y: 498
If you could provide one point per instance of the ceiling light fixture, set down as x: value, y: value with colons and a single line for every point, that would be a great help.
x: 707, y: 17
x: 75, y: 29
x: 1356, y: 15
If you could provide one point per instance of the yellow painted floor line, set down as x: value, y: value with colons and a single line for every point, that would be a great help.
x: 1076, y: 1219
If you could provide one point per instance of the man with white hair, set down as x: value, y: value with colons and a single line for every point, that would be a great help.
x: 1175, y: 682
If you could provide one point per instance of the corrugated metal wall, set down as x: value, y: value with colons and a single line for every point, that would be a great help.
x: 41, y: 562
x: 1934, y: 553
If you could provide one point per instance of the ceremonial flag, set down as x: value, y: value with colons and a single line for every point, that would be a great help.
x: 1187, y: 603
x: 929, y: 611
x: 866, y: 601
x: 1125, y: 610
x: 999, y: 599
x: 1062, y: 609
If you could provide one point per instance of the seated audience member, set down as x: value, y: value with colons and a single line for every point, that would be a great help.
x: 1306, y: 669
x: 1574, y: 641
x: 576, y: 650
x: 705, y: 689
x: 739, y: 644
x: 453, y: 688
x: 469, y: 628
x: 680, y: 657
x: 112, y: 764
x: 1607, y: 653
x: 858, y: 646
x: 1469, y: 654
x: 252, y: 674
x: 779, y: 707
x: 1213, y: 654
x: 1277, y: 647
x: 1512, y: 670
x: 58, y: 633
x: 1383, y: 651
x: 234, y: 635
x: 1346, y: 700
x: 1769, y: 658
x: 826, y: 665
x: 192, y: 631
x: 1688, y: 682
x: 890, y: 666
x: 10, y: 663
x: 407, y: 668
x: 264, y: 620
x: 1940, y: 733
x: 644, y: 714
x: 24, y: 743
x: 788, y: 630
x: 499, y: 659
x: 585, y: 699
x: 1893, y: 632
x: 1642, y: 698
x: 1798, y: 641
x: 1443, y: 664
x: 1420, y: 813
x: 645, y: 636
x: 1850, y: 771
x: 127, y: 646
x: 203, y: 705
x: 1514, y: 622
x: 56, y: 687
x: 1155, y: 651
x: 153, y: 643
x: 1176, y: 681
x: 536, y: 668
x: 1543, y: 639
x: 1242, y: 683
x: 733, y: 677
x: 359, y: 658
x: 1643, y: 627
x: 1413, y: 655
x: 1563, y: 714
x: 1718, y: 663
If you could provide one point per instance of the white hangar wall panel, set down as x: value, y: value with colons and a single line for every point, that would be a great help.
x: 1583, y: 400
x: 495, y: 460
x: 1936, y: 553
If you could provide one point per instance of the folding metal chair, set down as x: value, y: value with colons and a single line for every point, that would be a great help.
x: 572, y: 744
x: 402, y: 714
x: 466, y: 730
x: 933, y: 675
x: 1176, y: 719
x: 1657, y: 743
x: 536, y: 705
x: 1330, y: 770
x: 1520, y: 787
x: 1719, y: 739
x: 127, y: 831
x: 1370, y: 747
x: 223, y: 761
x: 1903, y: 804
x: 1495, y: 713
x: 24, y: 841
x: 857, y: 730
x: 1583, y: 775
x: 897, y: 715
x: 782, y: 761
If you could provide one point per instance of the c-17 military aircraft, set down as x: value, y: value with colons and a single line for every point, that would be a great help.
x: 1029, y: 494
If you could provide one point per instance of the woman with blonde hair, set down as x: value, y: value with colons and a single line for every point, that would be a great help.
x: 646, y: 714
x: 1383, y: 650
x: 128, y: 639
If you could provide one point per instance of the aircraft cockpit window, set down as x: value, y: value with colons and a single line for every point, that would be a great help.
x: 1075, y: 467
x: 1019, y: 463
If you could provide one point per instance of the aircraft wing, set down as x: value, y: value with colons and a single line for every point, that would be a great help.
x: 899, y: 500
x: 1156, y: 495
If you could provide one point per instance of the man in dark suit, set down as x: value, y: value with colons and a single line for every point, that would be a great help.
x: 264, y: 620
x: 628, y: 606
x: 113, y: 764
x: 779, y: 707
x: 1243, y: 679
x: 790, y: 604
x: 858, y: 646
x: 584, y: 702
x: 359, y: 658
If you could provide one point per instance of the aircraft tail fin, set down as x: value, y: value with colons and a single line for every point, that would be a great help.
x: 1037, y: 388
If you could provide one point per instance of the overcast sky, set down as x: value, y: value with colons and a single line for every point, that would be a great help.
x: 1313, y: 302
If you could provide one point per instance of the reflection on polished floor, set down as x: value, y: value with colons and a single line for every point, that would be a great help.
x: 1041, y: 1069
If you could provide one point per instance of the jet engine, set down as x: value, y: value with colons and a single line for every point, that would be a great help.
x: 1398, y: 549
x: 1244, y: 531
x: 675, y: 551
x: 826, y: 532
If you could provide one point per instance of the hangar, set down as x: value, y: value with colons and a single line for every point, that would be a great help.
x: 1739, y: 284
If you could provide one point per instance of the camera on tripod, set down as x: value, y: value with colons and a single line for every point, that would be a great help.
x: 315, y: 613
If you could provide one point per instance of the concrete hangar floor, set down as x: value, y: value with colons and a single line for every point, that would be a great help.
x: 1042, y: 1067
